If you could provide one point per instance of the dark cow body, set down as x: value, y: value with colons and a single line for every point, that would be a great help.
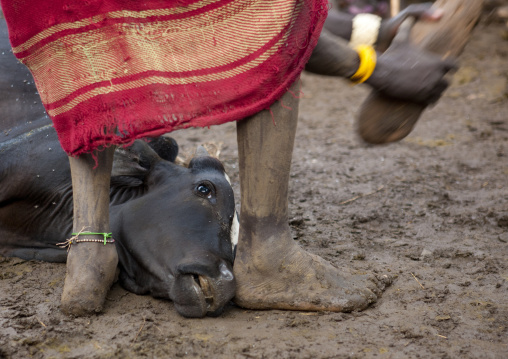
x: 174, y: 226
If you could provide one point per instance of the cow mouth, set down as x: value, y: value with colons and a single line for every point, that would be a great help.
x: 213, y: 309
x: 206, y: 288
x: 199, y: 295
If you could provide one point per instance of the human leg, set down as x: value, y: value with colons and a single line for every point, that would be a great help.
x: 91, y: 266
x: 271, y: 269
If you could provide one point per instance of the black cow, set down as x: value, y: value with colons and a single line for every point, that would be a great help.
x: 175, y: 227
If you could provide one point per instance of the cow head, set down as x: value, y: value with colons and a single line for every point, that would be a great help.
x: 176, y: 227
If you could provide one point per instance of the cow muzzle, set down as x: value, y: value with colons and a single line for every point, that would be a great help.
x: 196, y: 294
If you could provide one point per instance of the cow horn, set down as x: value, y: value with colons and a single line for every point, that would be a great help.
x: 203, y: 160
x: 201, y: 151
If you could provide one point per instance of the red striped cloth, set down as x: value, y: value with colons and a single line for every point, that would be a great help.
x: 111, y: 71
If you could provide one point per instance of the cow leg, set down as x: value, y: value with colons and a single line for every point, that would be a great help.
x: 272, y: 271
x: 91, y: 267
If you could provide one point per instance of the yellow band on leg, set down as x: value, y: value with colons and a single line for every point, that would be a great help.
x: 368, y: 58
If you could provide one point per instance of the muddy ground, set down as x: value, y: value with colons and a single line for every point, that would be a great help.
x: 432, y: 210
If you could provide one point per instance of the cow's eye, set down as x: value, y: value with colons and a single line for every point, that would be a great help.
x: 204, y: 189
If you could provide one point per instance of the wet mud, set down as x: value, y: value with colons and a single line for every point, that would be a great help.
x: 431, y: 210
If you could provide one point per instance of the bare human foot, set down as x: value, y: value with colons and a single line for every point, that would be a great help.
x: 91, y: 269
x: 281, y: 275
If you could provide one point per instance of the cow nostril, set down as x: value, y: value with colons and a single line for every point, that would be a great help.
x: 226, y: 273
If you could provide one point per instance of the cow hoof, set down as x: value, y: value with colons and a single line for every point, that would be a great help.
x: 293, y: 279
x: 91, y: 270
x: 383, y: 120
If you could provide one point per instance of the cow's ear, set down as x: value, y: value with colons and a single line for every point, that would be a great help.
x: 135, y: 160
x: 165, y: 147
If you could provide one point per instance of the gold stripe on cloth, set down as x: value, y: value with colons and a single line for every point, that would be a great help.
x: 165, y: 81
x: 218, y: 38
x: 111, y: 15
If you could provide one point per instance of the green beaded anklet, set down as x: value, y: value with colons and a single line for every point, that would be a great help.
x: 67, y: 244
